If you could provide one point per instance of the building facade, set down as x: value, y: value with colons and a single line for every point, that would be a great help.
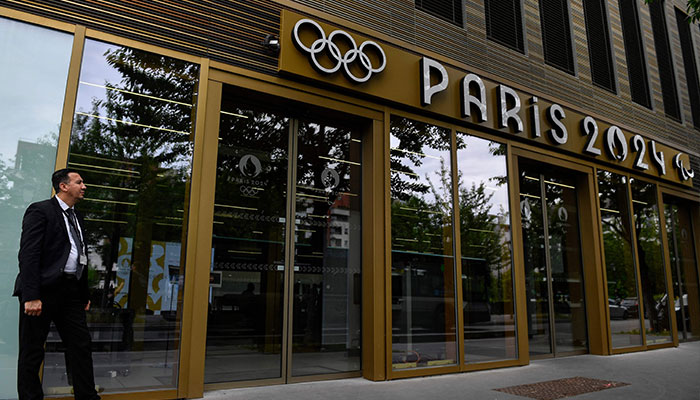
x: 285, y: 191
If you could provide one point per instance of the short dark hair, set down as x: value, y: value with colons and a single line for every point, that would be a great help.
x: 61, y: 176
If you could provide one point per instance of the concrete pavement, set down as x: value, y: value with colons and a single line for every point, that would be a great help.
x: 666, y: 374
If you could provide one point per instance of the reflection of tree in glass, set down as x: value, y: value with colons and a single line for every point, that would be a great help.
x: 651, y: 266
x: 413, y: 136
x: 139, y: 171
x: 485, y: 244
x: 421, y: 207
x: 612, y: 190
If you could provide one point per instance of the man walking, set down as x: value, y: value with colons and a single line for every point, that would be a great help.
x: 52, y: 286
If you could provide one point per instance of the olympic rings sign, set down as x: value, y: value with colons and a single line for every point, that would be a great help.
x: 326, y: 45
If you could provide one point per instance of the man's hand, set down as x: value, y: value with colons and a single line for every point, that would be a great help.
x: 87, y: 306
x: 32, y: 308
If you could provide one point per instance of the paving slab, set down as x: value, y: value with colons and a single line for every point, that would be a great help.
x: 664, y: 374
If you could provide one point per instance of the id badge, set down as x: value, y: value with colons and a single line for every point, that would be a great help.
x: 83, y: 259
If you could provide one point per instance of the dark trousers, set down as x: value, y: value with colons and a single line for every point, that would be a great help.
x: 62, y: 305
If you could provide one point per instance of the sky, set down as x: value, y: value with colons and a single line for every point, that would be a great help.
x: 33, y: 75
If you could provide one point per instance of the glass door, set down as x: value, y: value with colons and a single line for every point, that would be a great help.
x: 681, y: 243
x: 556, y: 315
x: 327, y: 254
x: 284, y: 297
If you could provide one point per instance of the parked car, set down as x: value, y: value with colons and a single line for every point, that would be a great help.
x: 617, y: 311
x: 632, y: 305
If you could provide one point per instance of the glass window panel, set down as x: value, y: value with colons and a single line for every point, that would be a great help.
x: 620, y: 270
x: 33, y: 74
x: 553, y: 268
x: 652, y: 272
x: 487, y: 271
x: 567, y: 291
x: 132, y: 142
x: 536, y: 288
x: 244, y: 331
x: 422, y: 269
x: 686, y: 293
x: 328, y: 253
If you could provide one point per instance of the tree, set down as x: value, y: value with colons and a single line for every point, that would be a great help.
x: 693, y: 10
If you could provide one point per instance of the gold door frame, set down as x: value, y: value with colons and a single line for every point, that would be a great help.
x: 371, y: 306
x: 590, y: 251
x: 692, y: 201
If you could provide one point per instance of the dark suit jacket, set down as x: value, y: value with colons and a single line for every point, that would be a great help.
x: 43, y: 251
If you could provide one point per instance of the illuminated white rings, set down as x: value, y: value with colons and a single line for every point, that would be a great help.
x: 326, y: 44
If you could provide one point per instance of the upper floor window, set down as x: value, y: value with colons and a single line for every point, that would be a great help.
x: 636, y: 64
x: 667, y: 75
x: 449, y: 10
x: 602, y: 66
x: 556, y: 34
x: 504, y: 23
x: 691, y: 69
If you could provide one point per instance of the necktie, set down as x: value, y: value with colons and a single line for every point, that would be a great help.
x: 73, y: 223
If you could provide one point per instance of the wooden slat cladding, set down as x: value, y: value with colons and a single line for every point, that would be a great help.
x: 223, y: 30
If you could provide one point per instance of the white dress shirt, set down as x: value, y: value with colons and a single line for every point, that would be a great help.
x: 72, y: 263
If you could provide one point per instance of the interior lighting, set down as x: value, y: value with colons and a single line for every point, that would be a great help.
x: 113, y: 188
x: 480, y: 230
x: 105, y: 168
x: 110, y: 201
x: 103, y: 159
x: 236, y: 207
x: 105, y: 220
x: 134, y: 93
x: 405, y: 173
x: 312, y: 196
x: 121, y: 121
x: 339, y: 160
x: 560, y: 184
x: 234, y: 114
x: 413, y: 152
x: 257, y: 253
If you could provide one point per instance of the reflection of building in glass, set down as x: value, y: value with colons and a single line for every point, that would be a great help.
x: 30, y: 157
x: 339, y: 226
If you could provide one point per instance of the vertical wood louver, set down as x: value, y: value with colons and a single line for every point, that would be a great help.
x: 691, y: 70
x: 602, y: 67
x: 667, y: 75
x: 504, y: 23
x: 450, y: 10
x: 636, y: 65
x: 556, y: 34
